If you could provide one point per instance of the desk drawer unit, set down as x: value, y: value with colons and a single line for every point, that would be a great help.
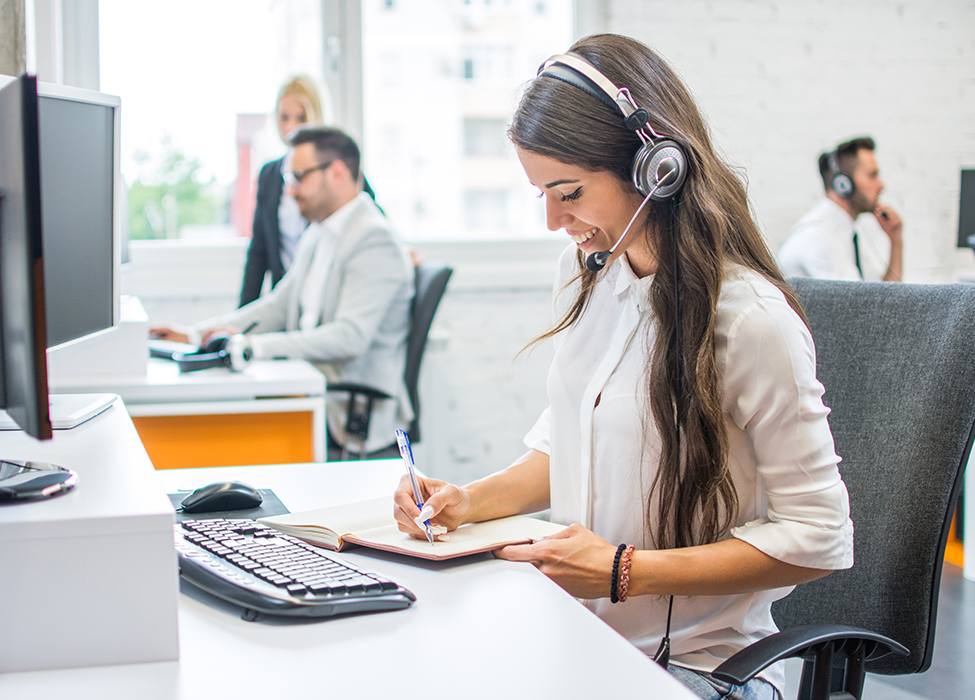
x: 219, y: 433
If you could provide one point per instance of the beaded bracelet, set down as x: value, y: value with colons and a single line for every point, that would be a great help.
x: 616, y: 570
x: 624, y: 577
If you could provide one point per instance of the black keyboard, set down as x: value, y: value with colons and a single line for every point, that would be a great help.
x: 266, y: 571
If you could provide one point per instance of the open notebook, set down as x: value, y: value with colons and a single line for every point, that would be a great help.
x: 371, y: 524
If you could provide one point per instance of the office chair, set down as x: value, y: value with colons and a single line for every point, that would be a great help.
x: 431, y: 283
x: 898, y: 365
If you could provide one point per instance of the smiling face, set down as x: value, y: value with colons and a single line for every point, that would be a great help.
x: 592, y: 207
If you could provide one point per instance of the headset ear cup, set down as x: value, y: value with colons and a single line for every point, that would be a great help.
x: 239, y: 352
x: 645, y: 164
x: 216, y: 343
x: 843, y: 185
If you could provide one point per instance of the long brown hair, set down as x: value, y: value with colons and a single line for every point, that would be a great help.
x: 709, y: 223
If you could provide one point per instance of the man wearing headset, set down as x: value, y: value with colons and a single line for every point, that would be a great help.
x: 344, y: 303
x: 825, y: 242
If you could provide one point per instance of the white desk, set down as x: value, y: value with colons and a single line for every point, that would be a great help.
x: 481, y: 628
x: 70, y: 565
x: 272, y: 411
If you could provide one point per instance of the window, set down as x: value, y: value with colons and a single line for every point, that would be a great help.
x: 486, y: 210
x: 484, y: 137
x: 198, y: 82
x: 440, y: 79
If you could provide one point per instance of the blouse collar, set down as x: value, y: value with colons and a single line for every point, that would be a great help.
x: 628, y: 282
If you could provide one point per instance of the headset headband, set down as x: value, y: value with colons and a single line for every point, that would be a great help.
x: 602, y: 88
x: 645, y: 170
x: 833, y: 162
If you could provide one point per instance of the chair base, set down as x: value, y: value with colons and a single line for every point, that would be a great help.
x: 335, y: 452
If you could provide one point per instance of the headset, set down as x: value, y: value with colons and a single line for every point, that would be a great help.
x: 842, y: 183
x: 659, y: 166
x: 231, y: 351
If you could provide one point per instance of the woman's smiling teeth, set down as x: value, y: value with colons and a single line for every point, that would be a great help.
x: 584, y: 236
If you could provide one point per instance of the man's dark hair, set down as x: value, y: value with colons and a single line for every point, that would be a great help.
x: 330, y: 144
x: 846, y: 158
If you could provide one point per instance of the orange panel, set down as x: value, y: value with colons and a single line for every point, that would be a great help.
x: 955, y: 551
x: 176, y: 442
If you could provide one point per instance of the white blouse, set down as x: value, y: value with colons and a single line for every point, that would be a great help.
x: 821, y: 245
x: 793, y: 504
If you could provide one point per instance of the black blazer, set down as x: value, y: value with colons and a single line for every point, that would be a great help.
x: 264, y: 252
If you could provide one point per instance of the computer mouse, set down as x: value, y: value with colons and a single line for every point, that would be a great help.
x: 224, y: 495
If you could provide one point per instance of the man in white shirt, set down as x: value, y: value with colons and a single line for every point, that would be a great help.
x: 344, y: 304
x: 826, y: 243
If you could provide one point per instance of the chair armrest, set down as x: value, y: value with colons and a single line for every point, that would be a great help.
x: 360, y: 389
x: 804, y: 642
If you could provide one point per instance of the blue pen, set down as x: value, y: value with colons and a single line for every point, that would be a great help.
x: 406, y: 452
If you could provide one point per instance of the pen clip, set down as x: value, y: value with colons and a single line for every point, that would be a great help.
x: 407, y: 454
x: 405, y: 450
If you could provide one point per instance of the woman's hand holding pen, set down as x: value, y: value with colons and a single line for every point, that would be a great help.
x: 577, y: 559
x: 445, y: 505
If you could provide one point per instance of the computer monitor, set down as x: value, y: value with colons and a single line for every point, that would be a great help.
x: 966, y: 210
x: 80, y: 173
x: 23, y: 342
x: 78, y: 135
x: 81, y: 181
x: 23, y: 380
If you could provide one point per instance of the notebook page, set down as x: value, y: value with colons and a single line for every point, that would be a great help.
x: 349, y: 517
x: 467, y: 539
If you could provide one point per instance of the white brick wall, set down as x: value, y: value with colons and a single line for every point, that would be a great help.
x: 782, y: 81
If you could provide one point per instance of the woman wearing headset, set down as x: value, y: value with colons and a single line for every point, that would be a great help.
x: 693, y: 460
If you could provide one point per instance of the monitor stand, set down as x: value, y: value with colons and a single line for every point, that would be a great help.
x: 27, y: 481
x: 68, y: 410
x: 23, y: 482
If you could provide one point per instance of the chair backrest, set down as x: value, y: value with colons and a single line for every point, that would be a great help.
x: 431, y: 282
x: 898, y: 365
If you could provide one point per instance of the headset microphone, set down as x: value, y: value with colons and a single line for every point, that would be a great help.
x: 666, y: 173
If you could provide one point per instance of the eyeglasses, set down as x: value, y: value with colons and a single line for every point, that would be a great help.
x: 295, y: 177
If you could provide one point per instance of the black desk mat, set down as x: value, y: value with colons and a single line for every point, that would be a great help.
x: 271, y: 505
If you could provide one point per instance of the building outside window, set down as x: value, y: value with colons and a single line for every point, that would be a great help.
x: 198, y: 82
x: 440, y: 80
